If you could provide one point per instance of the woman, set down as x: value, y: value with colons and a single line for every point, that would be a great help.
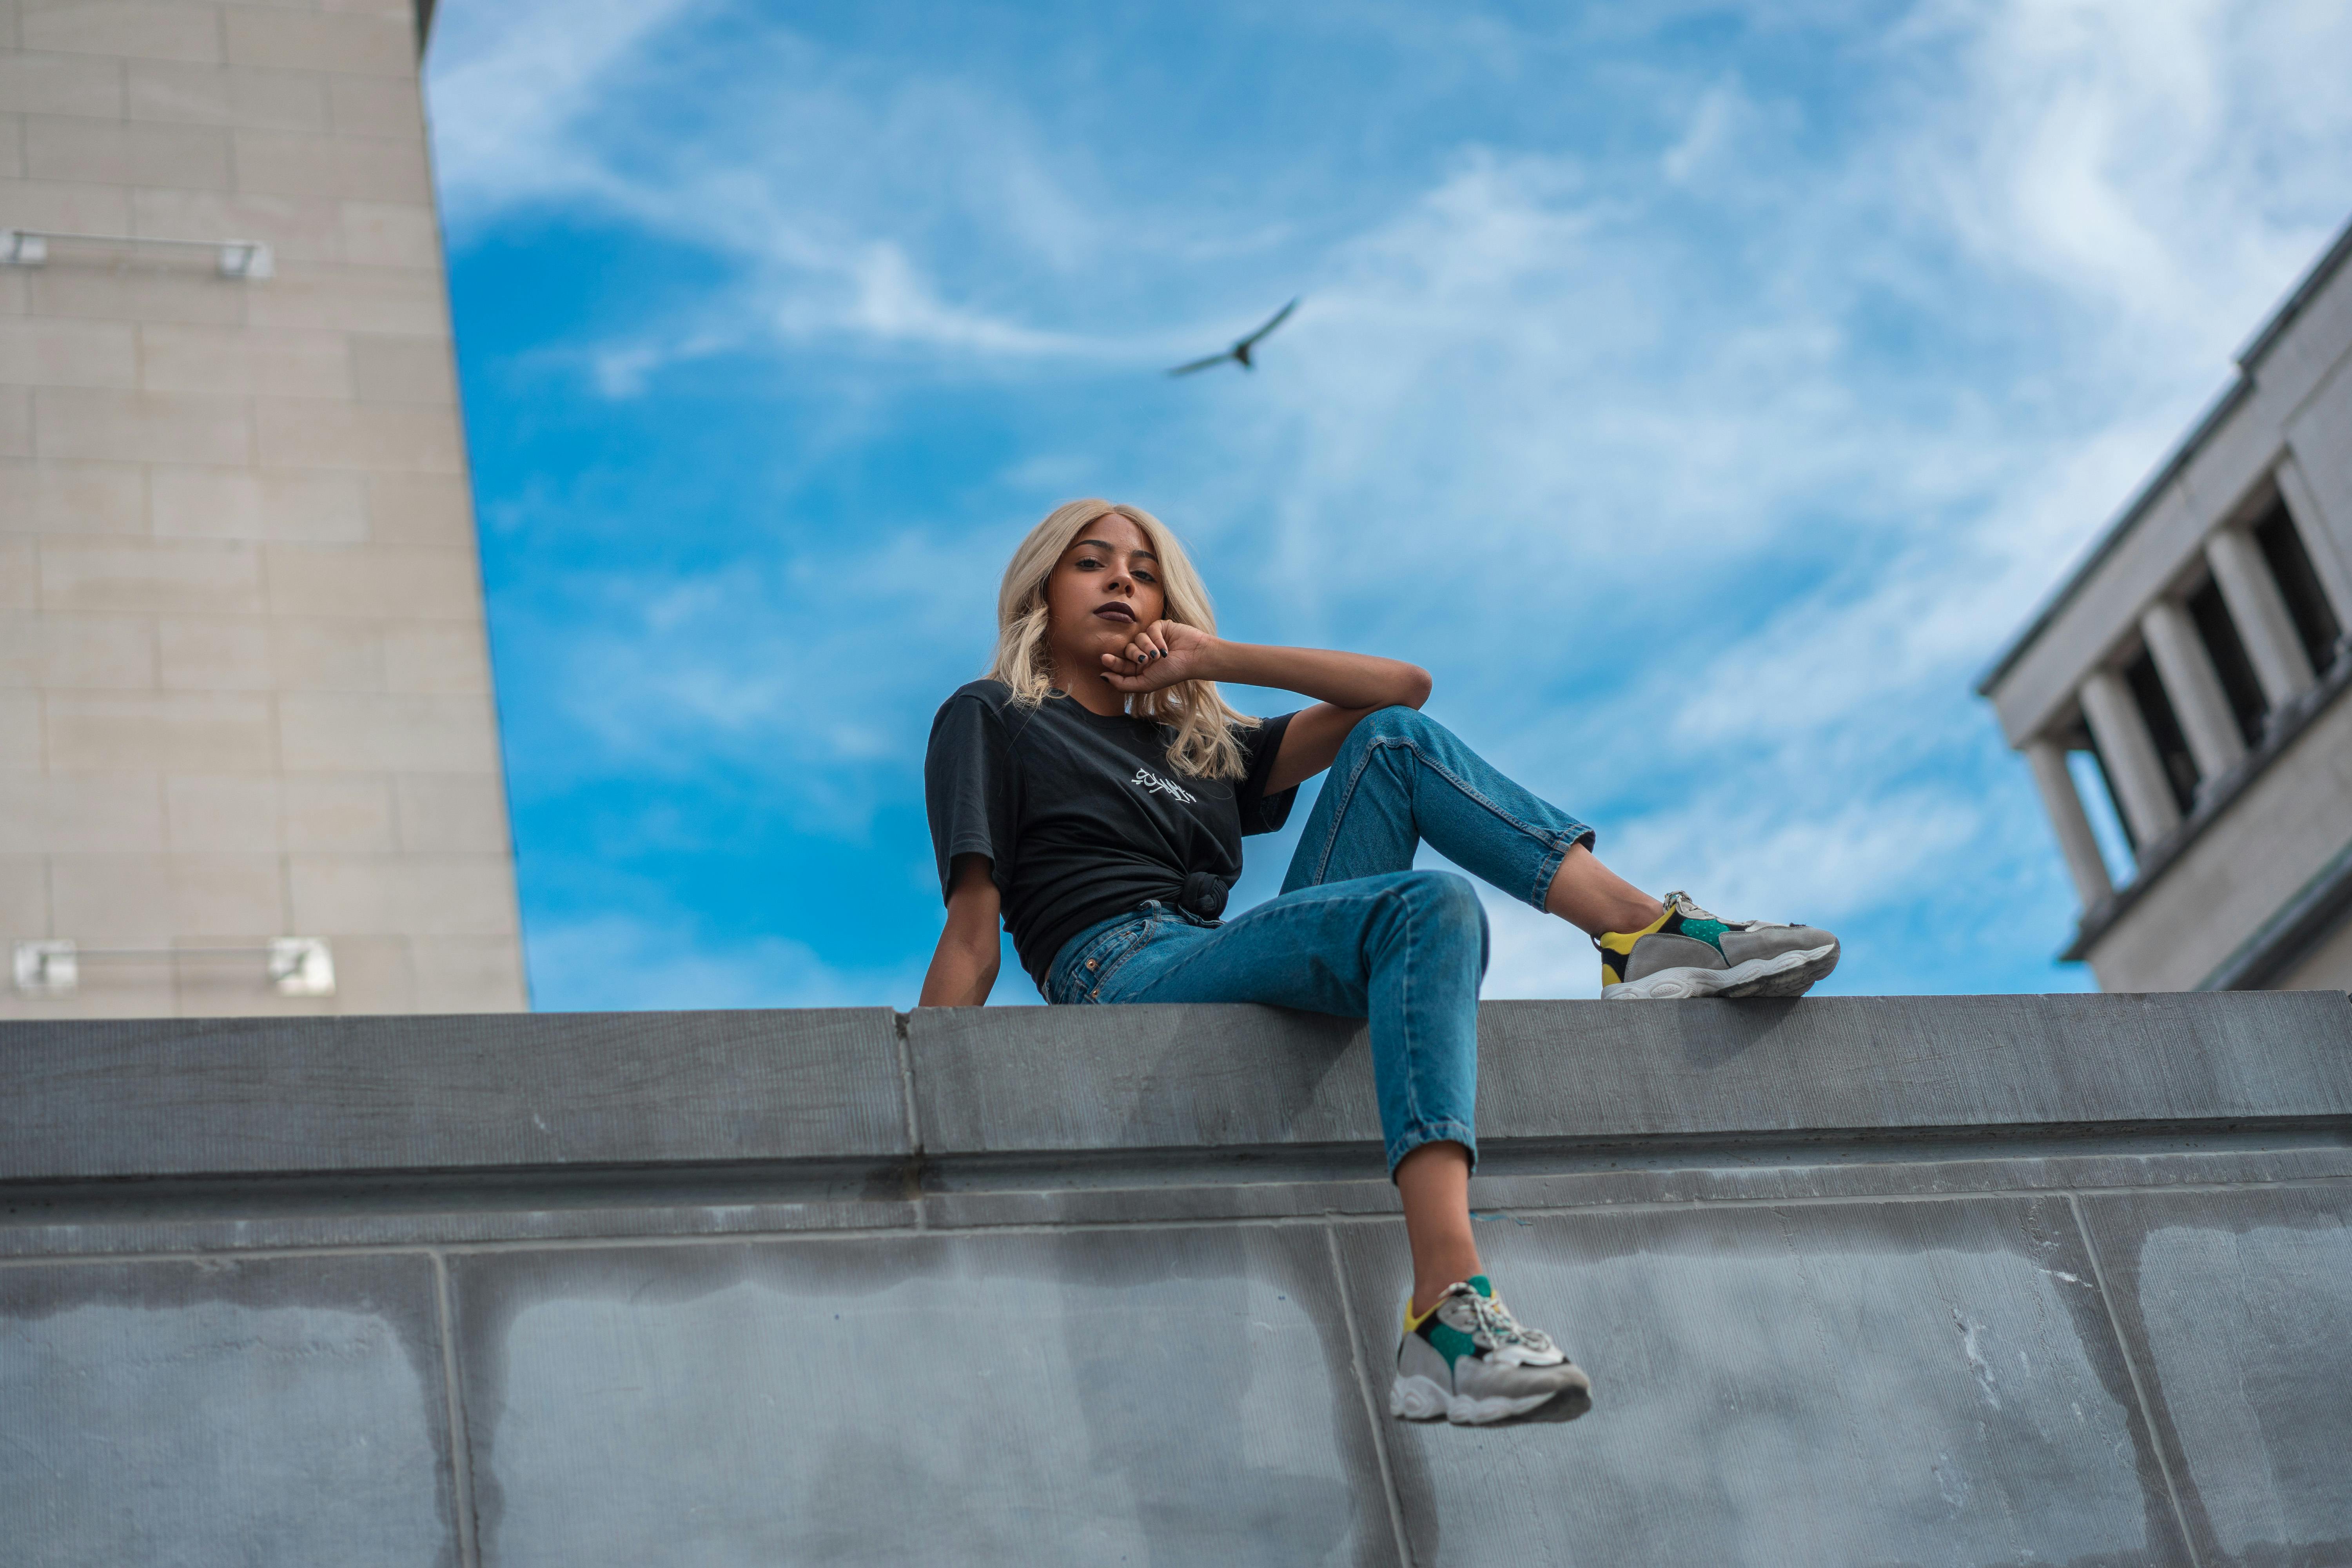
x: 1094, y: 790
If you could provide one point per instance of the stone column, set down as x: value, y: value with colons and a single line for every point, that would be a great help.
x: 2195, y: 687
x: 2326, y: 551
x: 2263, y: 625
x: 2131, y: 757
x: 2075, y: 840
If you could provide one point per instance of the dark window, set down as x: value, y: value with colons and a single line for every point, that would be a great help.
x: 2230, y: 661
x: 2164, y: 728
x: 2306, y: 601
x: 2115, y: 800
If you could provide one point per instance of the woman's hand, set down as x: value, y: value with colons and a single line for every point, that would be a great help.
x: 1162, y: 654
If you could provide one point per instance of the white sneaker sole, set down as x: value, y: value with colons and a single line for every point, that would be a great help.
x: 1791, y: 973
x: 1420, y: 1398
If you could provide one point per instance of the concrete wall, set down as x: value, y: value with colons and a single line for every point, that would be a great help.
x: 244, y: 686
x: 1957, y: 1280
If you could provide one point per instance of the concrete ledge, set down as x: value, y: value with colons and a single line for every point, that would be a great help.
x: 179, y: 1097
x: 1076, y: 1078
x: 182, y: 1098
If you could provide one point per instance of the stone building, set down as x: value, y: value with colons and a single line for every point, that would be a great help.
x: 248, y: 751
x: 2198, y: 658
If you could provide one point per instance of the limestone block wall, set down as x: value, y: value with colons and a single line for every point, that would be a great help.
x: 245, y: 690
x: 1860, y: 1280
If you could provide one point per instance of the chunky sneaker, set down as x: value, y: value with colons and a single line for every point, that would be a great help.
x: 1688, y: 952
x: 1468, y: 1360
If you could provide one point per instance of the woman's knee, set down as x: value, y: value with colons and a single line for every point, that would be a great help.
x: 1448, y: 899
x: 1395, y: 722
x: 1431, y: 918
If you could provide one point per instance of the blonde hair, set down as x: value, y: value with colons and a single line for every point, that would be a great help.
x: 1204, y: 744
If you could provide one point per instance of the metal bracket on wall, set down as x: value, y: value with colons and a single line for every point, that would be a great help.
x: 246, y: 259
x: 295, y: 965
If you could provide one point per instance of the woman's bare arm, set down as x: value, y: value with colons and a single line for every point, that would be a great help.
x: 963, y: 966
x: 1358, y: 681
x: 1349, y: 685
x: 1346, y: 686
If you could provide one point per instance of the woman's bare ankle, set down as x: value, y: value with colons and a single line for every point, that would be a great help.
x: 1595, y: 899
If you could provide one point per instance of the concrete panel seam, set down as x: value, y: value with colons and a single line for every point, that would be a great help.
x: 914, y: 1122
x: 461, y: 1461
x: 2131, y: 1370
x: 1359, y: 1360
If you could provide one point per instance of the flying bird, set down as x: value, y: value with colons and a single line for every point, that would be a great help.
x: 1240, y: 351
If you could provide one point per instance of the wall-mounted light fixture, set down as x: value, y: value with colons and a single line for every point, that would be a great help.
x: 293, y: 965
x: 244, y: 259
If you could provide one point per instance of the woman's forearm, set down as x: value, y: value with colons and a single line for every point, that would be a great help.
x: 1343, y: 679
x: 964, y: 965
x: 962, y: 972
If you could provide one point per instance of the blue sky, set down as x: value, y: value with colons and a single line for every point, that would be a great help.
x: 1702, y: 393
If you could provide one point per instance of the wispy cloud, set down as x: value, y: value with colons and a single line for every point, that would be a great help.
x: 517, y: 92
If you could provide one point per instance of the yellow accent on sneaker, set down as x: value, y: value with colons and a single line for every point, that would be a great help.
x: 1477, y: 1282
x: 1617, y: 946
x: 1623, y: 940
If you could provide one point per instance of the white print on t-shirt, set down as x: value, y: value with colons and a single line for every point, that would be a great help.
x: 1146, y: 779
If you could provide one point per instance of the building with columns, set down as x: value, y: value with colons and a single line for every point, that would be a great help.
x: 248, y: 751
x: 2189, y: 678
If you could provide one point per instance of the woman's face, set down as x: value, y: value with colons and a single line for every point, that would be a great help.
x: 1105, y: 589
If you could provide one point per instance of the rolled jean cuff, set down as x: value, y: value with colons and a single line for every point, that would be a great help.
x: 1444, y: 1131
x: 1549, y: 867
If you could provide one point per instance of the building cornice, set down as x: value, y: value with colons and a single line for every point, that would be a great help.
x: 2248, y: 360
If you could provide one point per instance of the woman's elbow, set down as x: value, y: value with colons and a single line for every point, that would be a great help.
x: 1413, y: 686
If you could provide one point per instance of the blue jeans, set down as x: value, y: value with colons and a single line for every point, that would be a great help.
x: 1356, y: 930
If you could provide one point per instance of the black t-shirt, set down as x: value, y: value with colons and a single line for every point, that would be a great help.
x: 1084, y: 817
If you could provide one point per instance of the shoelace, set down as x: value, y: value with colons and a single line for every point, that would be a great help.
x: 1493, y: 1320
x: 1689, y: 910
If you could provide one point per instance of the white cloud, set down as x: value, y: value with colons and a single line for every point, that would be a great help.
x: 2175, y: 161
x: 515, y: 88
x: 551, y: 102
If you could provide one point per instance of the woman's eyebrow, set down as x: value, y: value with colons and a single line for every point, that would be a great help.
x: 1108, y: 548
